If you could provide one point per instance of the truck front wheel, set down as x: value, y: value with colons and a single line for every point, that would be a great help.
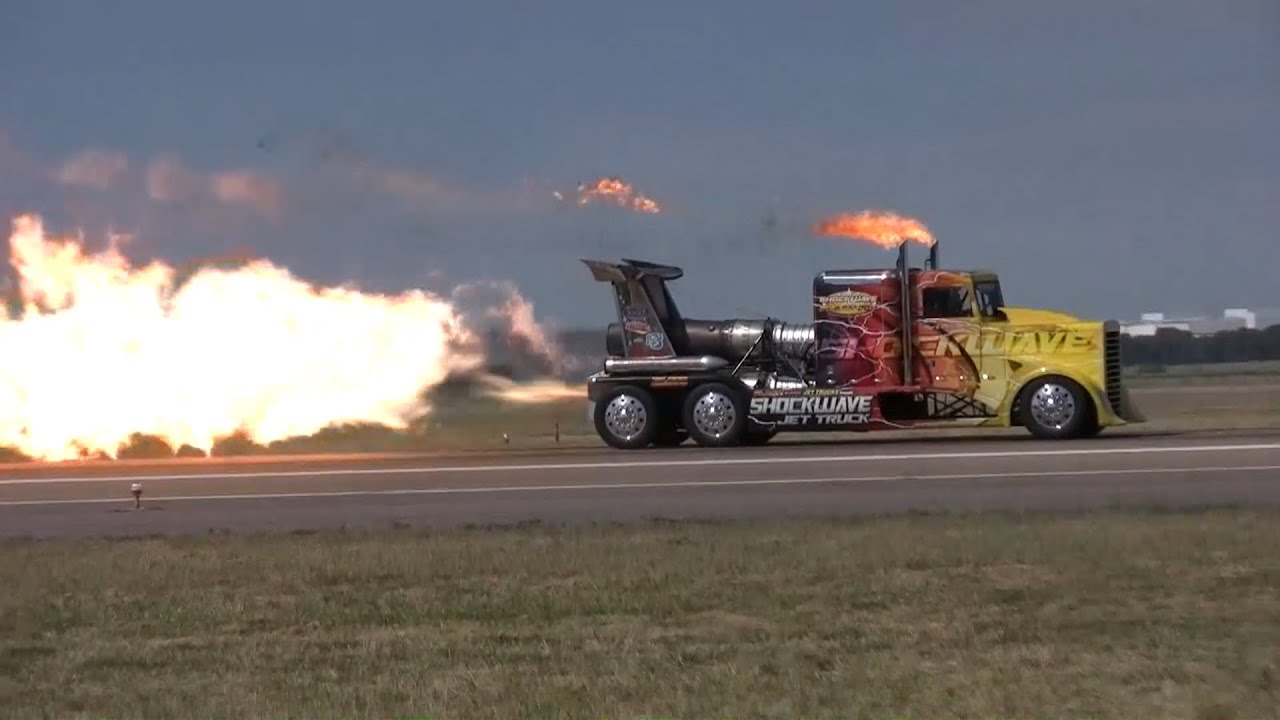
x: 626, y: 417
x: 715, y: 415
x: 1056, y: 408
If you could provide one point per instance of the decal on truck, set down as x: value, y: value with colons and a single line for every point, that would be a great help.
x: 1010, y: 343
x: 640, y: 327
x: 643, y: 333
x: 635, y: 318
x: 847, y: 302
x: 812, y: 409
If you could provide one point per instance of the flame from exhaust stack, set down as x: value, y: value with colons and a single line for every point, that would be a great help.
x: 614, y: 191
x: 885, y: 229
x: 102, y: 350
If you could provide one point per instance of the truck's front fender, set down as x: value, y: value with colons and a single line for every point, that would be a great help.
x: 1106, y: 416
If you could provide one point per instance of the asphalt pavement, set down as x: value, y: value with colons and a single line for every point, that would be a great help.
x: 593, y: 485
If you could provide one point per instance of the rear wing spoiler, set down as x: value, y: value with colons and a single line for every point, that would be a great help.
x: 631, y: 270
x: 646, y: 311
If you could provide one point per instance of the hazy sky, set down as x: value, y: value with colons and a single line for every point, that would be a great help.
x: 1106, y: 157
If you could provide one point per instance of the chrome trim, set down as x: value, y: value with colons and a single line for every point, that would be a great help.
x: 625, y: 417
x: 771, y: 381
x: 622, y: 366
x: 714, y: 414
x: 854, y: 277
x: 1112, y: 369
x: 908, y: 343
x: 1052, y: 406
x: 793, y: 339
x: 743, y: 337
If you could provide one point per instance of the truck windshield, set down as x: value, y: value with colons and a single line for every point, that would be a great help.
x: 989, y: 298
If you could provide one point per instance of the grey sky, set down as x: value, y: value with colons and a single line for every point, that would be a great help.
x: 1105, y: 157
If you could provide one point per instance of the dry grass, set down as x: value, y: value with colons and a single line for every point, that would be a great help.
x: 1252, y: 406
x: 1225, y: 396
x: 1263, y: 371
x: 1116, y: 615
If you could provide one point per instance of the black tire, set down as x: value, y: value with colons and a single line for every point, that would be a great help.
x: 1056, y: 408
x: 724, y: 425
x: 612, y: 418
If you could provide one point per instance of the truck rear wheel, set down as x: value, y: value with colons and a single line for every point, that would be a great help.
x: 715, y: 415
x: 626, y: 417
x: 1056, y: 408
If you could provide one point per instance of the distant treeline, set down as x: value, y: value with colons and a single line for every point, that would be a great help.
x: 1179, y: 347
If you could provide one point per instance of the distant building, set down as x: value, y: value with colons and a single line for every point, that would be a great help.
x: 1150, y: 322
x: 1232, y: 319
x: 1248, y: 317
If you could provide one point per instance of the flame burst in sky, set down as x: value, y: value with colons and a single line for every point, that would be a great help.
x: 101, y: 350
x: 885, y: 229
x: 614, y: 191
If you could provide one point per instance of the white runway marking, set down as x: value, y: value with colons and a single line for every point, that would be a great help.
x: 655, y: 484
x: 528, y: 467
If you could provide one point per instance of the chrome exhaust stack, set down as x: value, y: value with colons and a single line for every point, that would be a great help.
x: 904, y: 280
x: 625, y: 366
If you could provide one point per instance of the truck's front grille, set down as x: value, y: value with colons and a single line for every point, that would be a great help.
x: 1113, y: 368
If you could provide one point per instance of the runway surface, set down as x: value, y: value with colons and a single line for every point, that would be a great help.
x: 783, y: 480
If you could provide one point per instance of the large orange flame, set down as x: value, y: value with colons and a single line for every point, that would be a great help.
x: 101, y: 350
x: 537, y: 391
x: 885, y: 229
x: 614, y: 191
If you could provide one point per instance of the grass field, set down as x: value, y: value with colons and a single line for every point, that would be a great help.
x: 1226, y: 396
x: 1214, y: 372
x: 1101, y: 615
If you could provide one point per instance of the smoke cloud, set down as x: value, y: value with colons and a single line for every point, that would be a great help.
x: 95, y: 169
x: 248, y: 189
x: 169, y: 181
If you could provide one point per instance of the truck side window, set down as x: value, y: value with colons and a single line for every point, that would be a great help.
x: 989, y: 299
x: 946, y: 302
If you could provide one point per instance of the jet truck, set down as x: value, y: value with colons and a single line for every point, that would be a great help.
x: 891, y: 348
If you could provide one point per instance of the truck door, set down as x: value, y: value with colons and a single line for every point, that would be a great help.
x: 946, y: 333
x: 994, y: 380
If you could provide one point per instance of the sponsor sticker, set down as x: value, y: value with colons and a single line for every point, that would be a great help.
x: 807, y: 409
x: 654, y: 341
x: 847, y: 302
x: 638, y: 327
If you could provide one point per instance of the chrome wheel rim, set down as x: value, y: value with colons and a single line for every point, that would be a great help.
x: 1053, y: 406
x: 625, y: 417
x: 714, y: 414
